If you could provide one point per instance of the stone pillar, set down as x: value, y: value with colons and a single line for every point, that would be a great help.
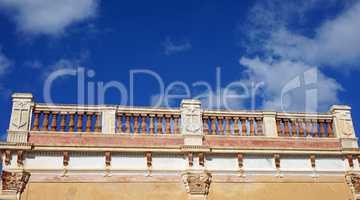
x: 343, y: 126
x: 108, y: 120
x: 20, y: 117
x: 191, y: 122
x: 197, y: 184
x: 270, y: 124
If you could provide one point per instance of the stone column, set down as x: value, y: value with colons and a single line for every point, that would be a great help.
x: 191, y: 122
x: 270, y: 124
x: 20, y: 117
x: 343, y: 126
x: 108, y: 120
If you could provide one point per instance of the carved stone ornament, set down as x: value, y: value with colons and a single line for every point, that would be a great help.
x: 15, y: 181
x: 192, y: 120
x: 20, y: 116
x: 347, y: 127
x: 197, y: 183
x: 353, y: 180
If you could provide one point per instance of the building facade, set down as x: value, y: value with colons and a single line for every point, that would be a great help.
x: 75, y: 152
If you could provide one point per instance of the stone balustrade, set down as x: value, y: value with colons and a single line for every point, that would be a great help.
x: 233, y: 123
x: 189, y: 120
x: 305, y: 125
x: 147, y: 121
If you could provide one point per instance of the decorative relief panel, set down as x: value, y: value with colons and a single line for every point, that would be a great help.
x: 191, y: 117
x: 20, y: 116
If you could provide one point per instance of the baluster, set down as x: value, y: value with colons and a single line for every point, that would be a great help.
x: 97, y: 122
x: 286, y: 128
x: 329, y: 128
x: 315, y: 128
x: 89, y: 120
x: 252, y: 129
x: 205, y: 125
x: 243, y: 126
x: 45, y: 125
x: 151, y: 124
x: 159, y: 124
x: 80, y: 121
x: 54, y: 121
x: 278, y: 127
x: 71, y: 122
x: 167, y: 124
x: 322, y: 129
x: 136, y: 123
x: 308, y: 127
x: 220, y: 124
x: 213, y: 125
x: 119, y: 122
x: 301, y: 128
x: 294, y: 126
x: 227, y: 126
x: 36, y: 120
x: 62, y: 121
x: 143, y: 124
x: 127, y: 123
x: 236, y: 126
x: 176, y: 124
x: 259, y: 126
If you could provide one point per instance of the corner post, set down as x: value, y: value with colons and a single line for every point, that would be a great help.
x: 270, y: 124
x: 20, y: 117
x: 108, y: 120
x: 343, y: 126
x: 191, y: 122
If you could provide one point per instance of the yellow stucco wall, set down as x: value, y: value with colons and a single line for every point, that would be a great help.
x: 176, y: 191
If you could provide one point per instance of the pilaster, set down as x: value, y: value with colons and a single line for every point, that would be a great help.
x: 108, y: 121
x: 343, y: 124
x: 270, y: 124
x: 20, y: 117
x: 191, y: 122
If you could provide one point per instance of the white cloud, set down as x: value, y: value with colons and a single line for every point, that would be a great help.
x: 5, y: 63
x: 335, y: 42
x: 171, y: 48
x: 48, y: 17
x: 228, y: 99
x: 224, y: 99
x: 291, y: 85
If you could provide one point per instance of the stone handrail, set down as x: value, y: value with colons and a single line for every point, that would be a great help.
x: 189, y: 120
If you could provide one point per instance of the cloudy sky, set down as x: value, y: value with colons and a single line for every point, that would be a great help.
x: 271, y: 55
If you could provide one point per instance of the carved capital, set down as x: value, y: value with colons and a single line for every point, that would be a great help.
x: 15, y: 181
x: 197, y: 183
x: 353, y: 180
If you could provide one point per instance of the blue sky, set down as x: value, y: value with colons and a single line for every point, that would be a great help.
x: 267, y: 42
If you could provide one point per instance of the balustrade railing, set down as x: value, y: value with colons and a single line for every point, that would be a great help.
x: 66, y: 118
x: 141, y: 121
x: 160, y: 121
x: 233, y: 123
x: 304, y: 125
